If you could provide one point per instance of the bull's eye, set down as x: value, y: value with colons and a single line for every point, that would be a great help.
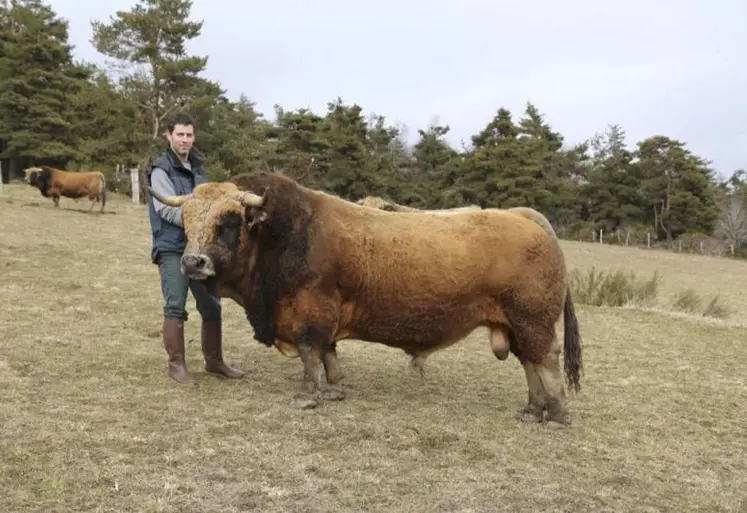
x: 228, y: 231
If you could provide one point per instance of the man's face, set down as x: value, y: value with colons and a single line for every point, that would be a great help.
x: 181, y: 139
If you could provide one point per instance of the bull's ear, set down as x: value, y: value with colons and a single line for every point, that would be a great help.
x: 254, y: 216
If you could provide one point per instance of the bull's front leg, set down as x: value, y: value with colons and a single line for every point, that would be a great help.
x: 309, y: 395
x: 333, y: 391
x: 310, y: 341
x: 319, y: 357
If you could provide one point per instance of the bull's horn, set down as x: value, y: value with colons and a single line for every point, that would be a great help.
x: 172, y: 201
x: 249, y: 199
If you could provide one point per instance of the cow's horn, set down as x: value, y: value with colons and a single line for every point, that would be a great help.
x: 249, y: 199
x: 172, y: 201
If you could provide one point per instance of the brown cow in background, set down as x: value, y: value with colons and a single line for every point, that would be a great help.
x: 390, y: 206
x: 53, y: 183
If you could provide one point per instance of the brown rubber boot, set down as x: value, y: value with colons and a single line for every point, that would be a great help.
x: 173, y: 341
x: 212, y: 350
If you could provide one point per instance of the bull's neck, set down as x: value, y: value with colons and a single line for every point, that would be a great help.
x: 236, y: 291
x: 239, y: 287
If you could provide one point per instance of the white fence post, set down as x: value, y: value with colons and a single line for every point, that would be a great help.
x: 135, y: 180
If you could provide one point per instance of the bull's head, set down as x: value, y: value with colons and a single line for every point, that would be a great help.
x: 214, y: 217
x: 30, y: 174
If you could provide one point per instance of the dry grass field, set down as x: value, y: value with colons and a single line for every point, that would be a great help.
x: 89, y: 420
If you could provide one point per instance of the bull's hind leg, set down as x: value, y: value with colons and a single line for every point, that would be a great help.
x: 332, y: 365
x: 539, y: 352
x: 417, y: 362
x: 535, y: 408
x: 552, y: 381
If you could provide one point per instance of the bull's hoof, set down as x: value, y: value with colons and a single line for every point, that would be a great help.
x: 303, y: 402
x: 529, y: 417
x: 335, y: 377
x: 332, y: 393
x: 558, y: 420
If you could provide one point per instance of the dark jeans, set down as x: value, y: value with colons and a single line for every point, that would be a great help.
x: 174, y: 286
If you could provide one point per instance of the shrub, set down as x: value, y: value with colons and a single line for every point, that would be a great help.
x: 614, y: 288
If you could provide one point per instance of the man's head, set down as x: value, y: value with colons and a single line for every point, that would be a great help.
x: 181, y: 134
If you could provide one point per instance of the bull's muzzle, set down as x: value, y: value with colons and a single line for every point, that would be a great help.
x: 197, y: 267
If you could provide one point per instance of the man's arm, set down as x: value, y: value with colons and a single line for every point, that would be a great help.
x: 160, y: 182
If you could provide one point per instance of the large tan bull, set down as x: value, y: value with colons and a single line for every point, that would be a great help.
x: 53, y: 183
x: 311, y: 269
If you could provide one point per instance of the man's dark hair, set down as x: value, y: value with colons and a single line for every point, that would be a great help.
x: 181, y: 118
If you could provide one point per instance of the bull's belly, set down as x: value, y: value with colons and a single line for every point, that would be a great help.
x: 418, y: 328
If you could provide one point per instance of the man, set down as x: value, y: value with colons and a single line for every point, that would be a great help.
x: 178, y: 171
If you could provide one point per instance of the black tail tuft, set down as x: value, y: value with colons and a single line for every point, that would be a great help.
x: 572, y: 345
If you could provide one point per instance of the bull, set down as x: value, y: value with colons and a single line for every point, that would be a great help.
x: 53, y: 183
x: 311, y: 269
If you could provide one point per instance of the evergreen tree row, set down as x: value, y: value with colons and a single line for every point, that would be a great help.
x: 76, y: 115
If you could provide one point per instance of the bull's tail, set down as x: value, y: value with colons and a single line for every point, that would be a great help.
x: 102, y: 190
x: 572, y: 352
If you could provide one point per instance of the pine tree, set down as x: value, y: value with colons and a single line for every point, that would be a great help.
x: 492, y: 175
x: 149, y: 41
x: 38, y: 77
x: 678, y: 187
x: 611, y: 195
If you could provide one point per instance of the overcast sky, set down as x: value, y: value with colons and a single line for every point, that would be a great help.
x: 676, y: 68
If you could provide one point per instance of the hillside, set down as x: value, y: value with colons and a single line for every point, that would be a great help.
x: 90, y: 420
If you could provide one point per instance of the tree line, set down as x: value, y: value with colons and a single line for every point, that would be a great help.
x: 77, y: 115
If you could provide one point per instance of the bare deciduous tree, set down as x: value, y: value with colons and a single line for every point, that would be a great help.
x: 733, y: 222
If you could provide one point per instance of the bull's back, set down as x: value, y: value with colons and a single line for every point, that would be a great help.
x: 440, y: 254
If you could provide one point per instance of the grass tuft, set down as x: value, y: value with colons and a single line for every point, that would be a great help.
x: 715, y: 309
x: 689, y: 301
